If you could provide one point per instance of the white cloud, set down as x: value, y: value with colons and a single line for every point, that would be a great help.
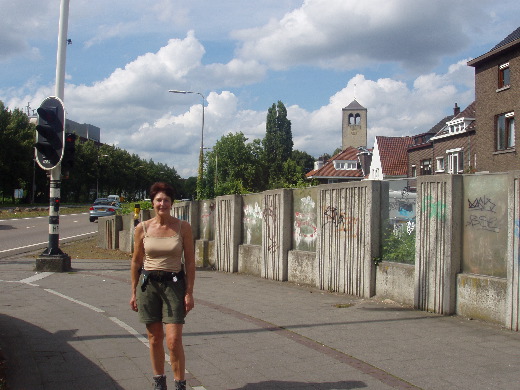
x: 394, y: 109
x: 135, y: 111
x: 346, y: 34
x: 35, y: 17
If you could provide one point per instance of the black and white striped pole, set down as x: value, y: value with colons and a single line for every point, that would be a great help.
x: 50, y: 139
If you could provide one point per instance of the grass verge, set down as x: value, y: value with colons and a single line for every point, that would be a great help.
x: 88, y: 249
x: 31, y: 212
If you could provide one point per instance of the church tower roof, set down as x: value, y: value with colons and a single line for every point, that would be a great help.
x: 354, y: 105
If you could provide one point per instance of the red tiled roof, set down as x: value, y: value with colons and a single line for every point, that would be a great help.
x: 393, y: 152
x: 328, y: 170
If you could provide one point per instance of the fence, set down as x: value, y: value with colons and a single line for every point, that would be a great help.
x: 444, y: 243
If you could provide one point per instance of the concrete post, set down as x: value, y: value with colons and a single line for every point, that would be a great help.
x: 228, y: 226
x: 438, y: 242
x: 349, y: 217
x: 513, y: 255
x: 190, y: 211
x: 276, y: 238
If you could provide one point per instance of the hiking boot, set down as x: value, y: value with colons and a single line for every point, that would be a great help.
x: 180, y: 385
x: 159, y: 382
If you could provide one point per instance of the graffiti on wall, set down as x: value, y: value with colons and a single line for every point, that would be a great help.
x: 437, y: 209
x: 340, y: 221
x: 208, y: 208
x: 482, y: 214
x: 305, y: 229
x: 399, y: 229
x: 269, y: 216
x: 402, y: 205
x: 252, y: 220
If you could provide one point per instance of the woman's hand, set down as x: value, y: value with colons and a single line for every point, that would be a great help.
x: 133, y: 303
x: 189, y: 302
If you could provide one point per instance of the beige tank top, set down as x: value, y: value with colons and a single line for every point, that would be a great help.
x: 163, y: 253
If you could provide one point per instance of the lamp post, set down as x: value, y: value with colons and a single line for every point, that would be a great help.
x: 201, y: 154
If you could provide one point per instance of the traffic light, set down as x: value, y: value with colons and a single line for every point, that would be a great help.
x: 49, y: 133
x: 68, y: 154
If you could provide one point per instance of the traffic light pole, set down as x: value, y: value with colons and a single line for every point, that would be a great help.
x: 53, y: 259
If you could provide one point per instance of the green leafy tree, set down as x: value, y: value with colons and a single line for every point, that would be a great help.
x: 234, y: 166
x: 336, y: 151
x: 303, y: 159
x: 277, y: 143
x: 17, y: 166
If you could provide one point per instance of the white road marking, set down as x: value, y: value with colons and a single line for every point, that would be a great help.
x: 131, y: 330
x: 116, y: 320
x: 75, y: 301
x: 36, y: 277
x: 46, y: 242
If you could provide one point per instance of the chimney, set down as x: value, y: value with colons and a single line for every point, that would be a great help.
x: 456, y: 110
x: 365, y: 159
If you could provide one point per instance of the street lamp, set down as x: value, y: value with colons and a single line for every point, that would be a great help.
x: 201, y: 154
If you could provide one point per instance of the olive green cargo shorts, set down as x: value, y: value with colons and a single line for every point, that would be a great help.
x: 161, y: 301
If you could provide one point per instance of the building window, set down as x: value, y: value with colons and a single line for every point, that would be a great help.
x: 505, y: 131
x: 440, y: 164
x: 455, y: 161
x: 426, y: 167
x: 414, y: 171
x: 503, y: 76
x: 345, y: 165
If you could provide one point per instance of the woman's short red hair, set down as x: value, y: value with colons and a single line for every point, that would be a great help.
x: 161, y: 187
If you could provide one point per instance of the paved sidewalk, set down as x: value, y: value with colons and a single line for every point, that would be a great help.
x: 76, y: 331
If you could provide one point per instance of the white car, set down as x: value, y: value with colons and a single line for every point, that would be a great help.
x: 114, y: 198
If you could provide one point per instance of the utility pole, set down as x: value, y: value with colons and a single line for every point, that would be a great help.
x: 53, y: 259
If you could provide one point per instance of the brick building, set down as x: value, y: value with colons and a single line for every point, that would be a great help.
x: 421, y: 152
x: 497, y: 95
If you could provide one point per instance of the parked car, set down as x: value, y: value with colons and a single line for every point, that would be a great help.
x: 103, y: 207
x: 115, y: 198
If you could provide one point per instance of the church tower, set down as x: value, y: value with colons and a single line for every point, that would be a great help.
x: 354, y: 126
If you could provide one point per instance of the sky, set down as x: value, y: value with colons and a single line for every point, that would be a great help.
x: 404, y: 60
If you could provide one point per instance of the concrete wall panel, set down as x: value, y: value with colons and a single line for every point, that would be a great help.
x: 438, y: 242
x: 276, y: 237
x: 481, y: 297
x: 228, y: 227
x: 349, y: 221
x: 302, y: 268
x: 250, y: 260
x: 395, y: 281
x: 513, y: 257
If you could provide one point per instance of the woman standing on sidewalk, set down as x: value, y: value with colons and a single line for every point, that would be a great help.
x: 162, y: 291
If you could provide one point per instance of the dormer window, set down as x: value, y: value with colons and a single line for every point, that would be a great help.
x: 457, y: 126
x: 342, y: 165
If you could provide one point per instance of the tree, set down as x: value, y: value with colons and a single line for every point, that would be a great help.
x: 303, y: 159
x: 277, y: 143
x: 234, y: 166
x: 16, y: 152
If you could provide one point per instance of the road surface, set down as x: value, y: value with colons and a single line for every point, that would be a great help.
x: 29, y: 234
